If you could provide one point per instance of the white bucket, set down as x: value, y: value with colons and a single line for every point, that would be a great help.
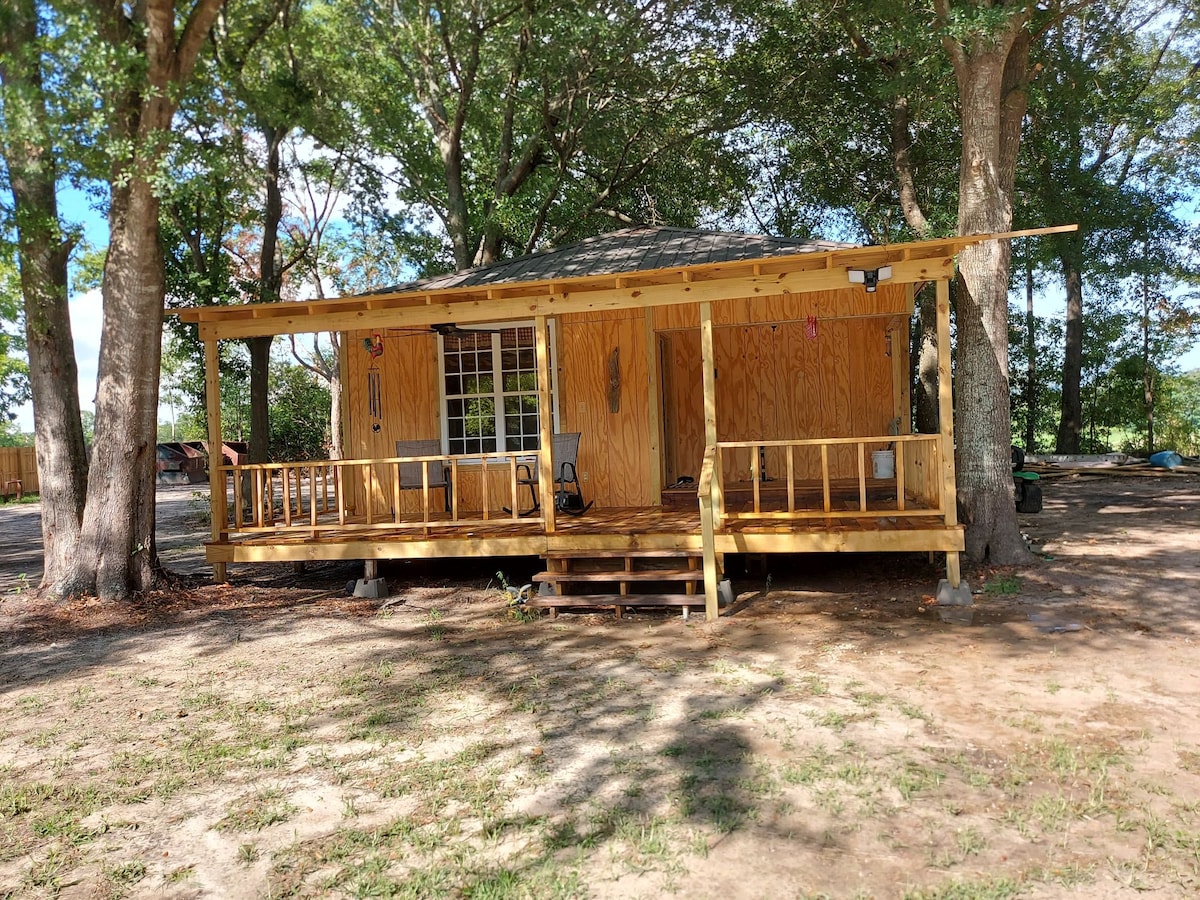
x: 883, y: 464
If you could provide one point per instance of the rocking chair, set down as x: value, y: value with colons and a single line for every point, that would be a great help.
x: 568, y: 497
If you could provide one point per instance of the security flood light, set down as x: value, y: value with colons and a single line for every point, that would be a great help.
x: 869, y: 278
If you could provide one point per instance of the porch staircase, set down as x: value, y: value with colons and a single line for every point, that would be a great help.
x: 620, y: 580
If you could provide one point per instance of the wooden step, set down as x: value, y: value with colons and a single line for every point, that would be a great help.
x: 617, y: 575
x: 621, y: 554
x: 583, y: 600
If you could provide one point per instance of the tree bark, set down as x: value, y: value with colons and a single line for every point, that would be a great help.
x: 925, y: 340
x: 42, y: 254
x: 990, y: 72
x: 926, y: 355
x: 116, y: 553
x: 1031, y: 385
x: 270, y: 280
x: 1070, y: 423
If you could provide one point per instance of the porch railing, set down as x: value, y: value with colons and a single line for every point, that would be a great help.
x: 917, y: 480
x: 354, y: 494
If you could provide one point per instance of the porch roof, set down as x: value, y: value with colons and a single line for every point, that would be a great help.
x: 635, y: 268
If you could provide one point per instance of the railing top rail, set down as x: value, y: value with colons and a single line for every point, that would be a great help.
x: 816, y: 442
x: 364, y: 461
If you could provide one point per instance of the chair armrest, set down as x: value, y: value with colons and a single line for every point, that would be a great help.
x: 528, y: 473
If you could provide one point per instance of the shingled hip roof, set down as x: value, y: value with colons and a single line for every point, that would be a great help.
x: 621, y: 252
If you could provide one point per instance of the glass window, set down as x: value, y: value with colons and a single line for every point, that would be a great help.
x: 489, y: 390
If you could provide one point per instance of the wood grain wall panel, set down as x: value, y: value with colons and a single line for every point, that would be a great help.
x: 683, y: 408
x: 409, y: 406
x: 614, y: 447
x: 676, y: 317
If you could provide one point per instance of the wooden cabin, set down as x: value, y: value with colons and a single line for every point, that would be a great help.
x: 731, y: 393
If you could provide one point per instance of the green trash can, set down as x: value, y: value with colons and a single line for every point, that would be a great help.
x: 1027, y: 491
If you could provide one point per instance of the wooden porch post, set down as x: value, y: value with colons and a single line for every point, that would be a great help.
x: 946, y: 424
x: 216, y: 476
x: 653, y: 410
x: 707, y: 526
x: 545, y: 422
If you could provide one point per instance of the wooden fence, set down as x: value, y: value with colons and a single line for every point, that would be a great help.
x: 18, y: 464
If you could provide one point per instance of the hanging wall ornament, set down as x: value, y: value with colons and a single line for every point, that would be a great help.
x: 374, y: 347
x: 810, y: 328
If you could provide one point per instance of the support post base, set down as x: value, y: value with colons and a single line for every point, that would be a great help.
x: 953, y: 596
x: 371, y: 588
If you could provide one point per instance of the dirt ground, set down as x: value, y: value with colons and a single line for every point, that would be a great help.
x: 836, y: 735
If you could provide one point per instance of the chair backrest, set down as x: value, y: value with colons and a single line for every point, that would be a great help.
x: 564, y: 449
x: 410, y: 473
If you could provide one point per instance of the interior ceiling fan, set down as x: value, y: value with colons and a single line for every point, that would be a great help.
x: 445, y: 329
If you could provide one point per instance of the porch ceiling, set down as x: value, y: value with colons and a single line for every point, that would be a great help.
x: 812, y: 269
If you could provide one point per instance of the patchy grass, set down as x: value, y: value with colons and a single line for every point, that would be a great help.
x: 448, y: 751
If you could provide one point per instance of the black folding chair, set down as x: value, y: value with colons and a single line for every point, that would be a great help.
x: 410, y: 473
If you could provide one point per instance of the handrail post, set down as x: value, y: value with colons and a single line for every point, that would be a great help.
x: 708, y: 533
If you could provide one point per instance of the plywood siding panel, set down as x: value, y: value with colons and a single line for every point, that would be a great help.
x: 676, y: 317
x: 683, y: 409
x: 614, y: 447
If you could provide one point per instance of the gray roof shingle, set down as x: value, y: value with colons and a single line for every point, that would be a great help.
x: 621, y: 252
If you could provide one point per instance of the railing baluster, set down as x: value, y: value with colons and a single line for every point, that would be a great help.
x: 286, y: 488
x: 236, y: 471
x: 424, y: 490
x: 756, y: 475
x: 483, y: 484
x: 791, y: 478
x: 899, y: 448
x: 825, y: 476
x: 454, y: 488
x: 512, y: 487
x: 339, y: 492
x: 396, y: 501
x: 862, y: 476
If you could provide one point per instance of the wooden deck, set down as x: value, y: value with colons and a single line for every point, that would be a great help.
x: 644, y: 528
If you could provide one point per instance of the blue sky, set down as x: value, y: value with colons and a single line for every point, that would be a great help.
x: 86, y: 318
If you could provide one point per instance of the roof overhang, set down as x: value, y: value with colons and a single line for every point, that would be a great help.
x: 911, y: 263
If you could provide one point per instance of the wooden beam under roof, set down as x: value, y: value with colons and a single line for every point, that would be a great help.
x: 798, y: 273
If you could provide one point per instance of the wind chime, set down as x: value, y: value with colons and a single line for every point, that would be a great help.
x: 374, y: 347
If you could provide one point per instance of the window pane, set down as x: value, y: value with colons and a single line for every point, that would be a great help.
x: 512, y: 426
x: 531, y: 425
x: 453, y: 384
x: 527, y: 360
x: 455, y: 427
x: 512, y: 405
x: 529, y: 403
x: 454, y: 409
x: 486, y: 384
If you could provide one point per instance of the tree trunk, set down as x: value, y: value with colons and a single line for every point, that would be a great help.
x: 925, y: 340
x: 1147, y: 366
x: 1031, y: 385
x: 1070, y: 423
x: 270, y: 280
x: 335, y: 414
x: 927, y: 363
x: 116, y: 553
x: 990, y: 75
x: 42, y: 253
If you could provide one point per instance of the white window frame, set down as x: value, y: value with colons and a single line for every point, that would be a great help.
x: 498, y: 383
